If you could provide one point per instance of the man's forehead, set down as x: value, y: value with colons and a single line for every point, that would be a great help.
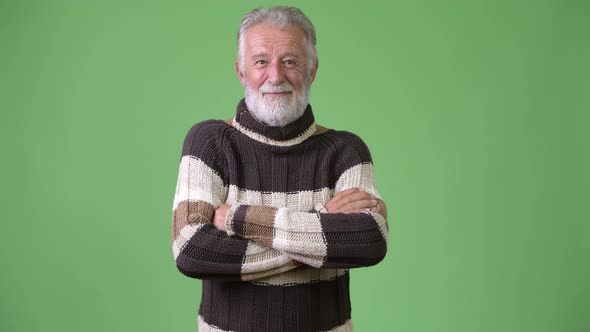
x: 262, y: 35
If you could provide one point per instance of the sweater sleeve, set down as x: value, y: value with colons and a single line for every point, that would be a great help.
x: 200, y: 250
x: 321, y: 240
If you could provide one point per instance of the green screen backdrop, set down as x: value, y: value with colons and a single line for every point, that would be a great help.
x: 476, y: 114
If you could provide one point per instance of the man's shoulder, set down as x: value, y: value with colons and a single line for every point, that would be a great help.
x: 203, y: 137
x: 342, y: 136
x: 207, y: 127
x: 205, y: 131
x: 345, y: 144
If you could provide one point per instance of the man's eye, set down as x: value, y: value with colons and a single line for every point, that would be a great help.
x: 289, y: 62
x: 260, y: 62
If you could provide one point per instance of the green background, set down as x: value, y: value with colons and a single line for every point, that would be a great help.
x: 476, y: 113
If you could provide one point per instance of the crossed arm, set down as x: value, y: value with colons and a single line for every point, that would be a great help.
x: 212, y: 240
x: 265, y: 241
x: 352, y: 200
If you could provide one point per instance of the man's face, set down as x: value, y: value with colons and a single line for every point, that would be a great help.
x: 275, y: 73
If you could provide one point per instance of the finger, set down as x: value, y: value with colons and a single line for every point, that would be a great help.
x: 362, y: 204
x: 358, y: 211
x: 358, y: 196
x: 336, y: 205
x: 340, y: 199
x: 354, y: 197
x: 346, y: 192
x: 352, y: 192
x: 343, y: 198
x: 355, y: 201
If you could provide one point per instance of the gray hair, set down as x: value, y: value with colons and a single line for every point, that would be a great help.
x: 281, y: 17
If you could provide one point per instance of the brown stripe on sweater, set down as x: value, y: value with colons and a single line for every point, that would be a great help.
x: 260, y: 224
x: 199, y: 212
x: 320, y: 129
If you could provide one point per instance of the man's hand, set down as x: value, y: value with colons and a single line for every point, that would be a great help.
x: 351, y: 201
x: 219, y: 218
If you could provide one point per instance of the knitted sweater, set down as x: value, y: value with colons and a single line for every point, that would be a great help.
x: 281, y: 265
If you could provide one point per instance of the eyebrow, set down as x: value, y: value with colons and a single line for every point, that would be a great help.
x: 263, y: 54
x: 258, y: 55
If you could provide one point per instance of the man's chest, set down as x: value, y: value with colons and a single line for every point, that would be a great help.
x: 296, y: 178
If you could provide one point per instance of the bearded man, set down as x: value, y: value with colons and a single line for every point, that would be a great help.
x: 272, y: 210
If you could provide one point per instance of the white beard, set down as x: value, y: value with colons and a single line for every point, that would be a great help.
x: 276, y: 111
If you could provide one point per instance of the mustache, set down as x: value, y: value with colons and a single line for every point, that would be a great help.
x: 285, y: 87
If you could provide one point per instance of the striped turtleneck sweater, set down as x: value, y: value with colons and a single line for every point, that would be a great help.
x: 282, y: 264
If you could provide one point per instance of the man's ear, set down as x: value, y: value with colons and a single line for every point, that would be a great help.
x: 314, y: 70
x: 241, y: 75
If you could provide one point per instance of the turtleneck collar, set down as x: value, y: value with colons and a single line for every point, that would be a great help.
x: 292, y: 134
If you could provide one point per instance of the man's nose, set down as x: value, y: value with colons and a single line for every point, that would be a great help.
x: 275, y: 73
